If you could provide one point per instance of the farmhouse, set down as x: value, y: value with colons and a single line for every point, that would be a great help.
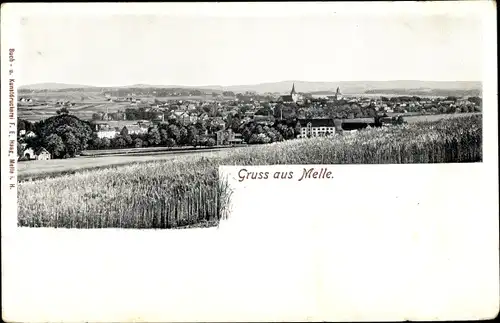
x: 42, y: 154
x: 316, y: 127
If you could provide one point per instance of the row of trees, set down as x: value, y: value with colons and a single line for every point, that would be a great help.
x: 65, y: 136
x: 166, y: 134
x: 255, y: 133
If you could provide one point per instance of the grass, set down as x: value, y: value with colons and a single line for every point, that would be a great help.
x: 187, y: 192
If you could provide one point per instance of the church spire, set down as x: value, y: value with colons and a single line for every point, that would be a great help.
x: 293, y: 89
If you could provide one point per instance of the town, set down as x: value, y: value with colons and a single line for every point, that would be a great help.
x: 157, y: 117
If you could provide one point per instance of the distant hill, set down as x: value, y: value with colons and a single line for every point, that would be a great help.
x: 53, y: 86
x: 354, y: 87
x: 349, y: 87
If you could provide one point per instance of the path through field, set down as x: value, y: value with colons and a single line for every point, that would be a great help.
x: 40, y: 168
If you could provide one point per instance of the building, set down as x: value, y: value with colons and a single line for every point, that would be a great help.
x: 293, y: 97
x: 136, y: 130
x: 316, y: 128
x: 42, y: 154
x: 30, y: 134
x: 338, y: 95
x: 110, y: 134
x: 29, y: 154
x: 264, y: 120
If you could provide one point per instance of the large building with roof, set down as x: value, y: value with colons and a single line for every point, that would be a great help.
x: 316, y: 128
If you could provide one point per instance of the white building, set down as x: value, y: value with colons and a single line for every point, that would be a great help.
x: 316, y: 128
x: 110, y: 134
x: 42, y: 154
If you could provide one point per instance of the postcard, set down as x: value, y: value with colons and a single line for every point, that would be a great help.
x: 237, y: 162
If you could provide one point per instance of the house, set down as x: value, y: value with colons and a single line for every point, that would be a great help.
x: 193, y: 118
x: 218, y: 122
x: 263, y: 120
x: 22, y: 132
x: 249, y: 114
x: 157, y: 116
x: 42, y: 154
x: 182, y: 117
x: 30, y: 134
x: 203, y: 117
x: 136, y: 129
x: 39, y: 154
x: 29, y: 154
x: 316, y: 127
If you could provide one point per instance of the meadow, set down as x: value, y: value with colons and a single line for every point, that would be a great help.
x: 188, y: 191
x: 34, y: 169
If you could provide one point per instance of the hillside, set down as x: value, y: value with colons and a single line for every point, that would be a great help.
x: 53, y: 86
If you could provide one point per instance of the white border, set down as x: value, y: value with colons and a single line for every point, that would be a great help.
x: 13, y: 238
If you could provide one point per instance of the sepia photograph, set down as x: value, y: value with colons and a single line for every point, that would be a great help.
x: 126, y: 119
x: 249, y: 162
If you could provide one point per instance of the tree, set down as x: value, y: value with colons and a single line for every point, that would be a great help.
x: 183, y: 136
x: 19, y: 149
x: 21, y: 125
x: 128, y: 140
x: 289, y: 133
x: 192, y: 135
x: 124, y: 132
x: 62, y: 125
x: 63, y: 110
x: 297, y: 129
x: 55, y: 145
x: 71, y: 143
x: 174, y: 132
x: 95, y: 142
x: 105, y: 143
x: 171, y: 142
x: 154, y: 137
x: 163, y: 136
x: 137, y: 142
x: 118, y: 142
x: 211, y: 142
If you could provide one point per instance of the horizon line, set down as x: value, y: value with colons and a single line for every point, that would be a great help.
x: 247, y: 84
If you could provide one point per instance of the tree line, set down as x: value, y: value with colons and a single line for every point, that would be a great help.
x: 66, y: 136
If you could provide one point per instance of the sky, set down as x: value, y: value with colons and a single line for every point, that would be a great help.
x: 115, y: 50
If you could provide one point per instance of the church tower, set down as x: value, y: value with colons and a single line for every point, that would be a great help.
x: 338, y: 95
x: 295, y: 95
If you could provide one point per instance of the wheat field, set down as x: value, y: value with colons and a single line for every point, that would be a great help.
x: 188, y: 192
